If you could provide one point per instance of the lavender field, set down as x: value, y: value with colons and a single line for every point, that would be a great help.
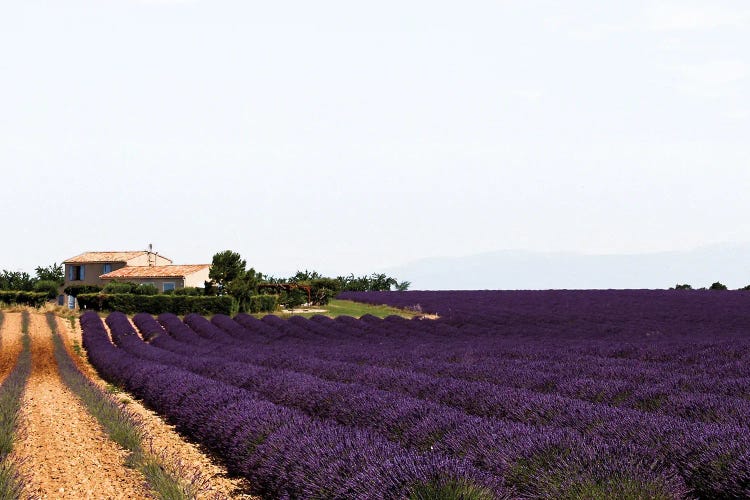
x: 551, y: 394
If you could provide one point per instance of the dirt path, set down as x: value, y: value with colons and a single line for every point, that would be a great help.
x: 162, y: 436
x: 10, y: 343
x: 64, y: 452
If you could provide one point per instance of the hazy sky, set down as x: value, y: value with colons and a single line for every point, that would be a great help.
x: 354, y: 136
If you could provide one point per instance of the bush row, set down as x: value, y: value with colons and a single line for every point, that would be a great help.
x: 156, y: 304
x: 34, y: 299
x: 175, y: 304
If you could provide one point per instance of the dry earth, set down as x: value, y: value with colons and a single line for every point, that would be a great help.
x: 176, y: 452
x: 10, y: 343
x: 62, y: 450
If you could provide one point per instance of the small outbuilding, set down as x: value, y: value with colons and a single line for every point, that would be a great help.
x: 165, y: 278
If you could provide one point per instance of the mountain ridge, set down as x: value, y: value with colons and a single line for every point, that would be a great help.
x: 728, y: 263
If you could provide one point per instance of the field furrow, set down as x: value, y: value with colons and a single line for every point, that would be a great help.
x: 64, y: 452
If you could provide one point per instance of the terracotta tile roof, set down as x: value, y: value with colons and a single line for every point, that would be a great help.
x: 101, y: 257
x: 173, y: 271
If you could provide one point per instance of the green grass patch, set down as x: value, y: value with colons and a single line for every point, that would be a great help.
x: 338, y: 307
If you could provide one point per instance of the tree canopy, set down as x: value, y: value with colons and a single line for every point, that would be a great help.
x: 225, y: 267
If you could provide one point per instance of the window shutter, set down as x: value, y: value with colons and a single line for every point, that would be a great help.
x: 83, y: 268
x: 70, y: 273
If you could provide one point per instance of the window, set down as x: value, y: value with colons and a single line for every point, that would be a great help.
x: 167, y: 287
x: 106, y: 268
x: 76, y: 273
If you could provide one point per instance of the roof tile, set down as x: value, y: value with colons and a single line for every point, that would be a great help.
x: 173, y: 271
x: 97, y: 257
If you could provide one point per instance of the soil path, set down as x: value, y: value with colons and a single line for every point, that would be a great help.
x: 10, y: 343
x: 64, y: 452
x: 176, y: 452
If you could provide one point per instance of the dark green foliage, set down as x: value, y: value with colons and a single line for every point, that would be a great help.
x: 263, y: 303
x: 47, y: 286
x: 322, y: 290
x: 682, y: 287
x: 51, y: 273
x: 118, y: 287
x: 293, y: 298
x: 157, y: 304
x: 376, y: 282
x: 190, y: 290
x: 33, y: 299
x: 745, y: 288
x: 305, y: 276
x: 130, y: 287
x: 16, y: 280
x: 225, y: 267
x: 717, y: 286
x: 76, y: 290
x: 244, y: 287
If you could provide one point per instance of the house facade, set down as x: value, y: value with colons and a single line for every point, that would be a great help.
x: 88, y: 267
x: 140, y: 266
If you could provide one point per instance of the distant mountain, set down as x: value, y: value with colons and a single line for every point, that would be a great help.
x: 513, y: 269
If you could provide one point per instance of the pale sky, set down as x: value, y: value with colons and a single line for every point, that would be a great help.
x: 355, y: 136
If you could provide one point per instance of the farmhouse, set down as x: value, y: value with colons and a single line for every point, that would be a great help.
x: 139, y: 266
x: 165, y: 278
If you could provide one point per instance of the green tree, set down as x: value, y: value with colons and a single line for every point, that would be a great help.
x: 717, y: 286
x: 243, y: 287
x: 403, y: 286
x: 50, y: 287
x: 16, y: 280
x: 683, y: 287
x: 51, y: 273
x: 225, y: 267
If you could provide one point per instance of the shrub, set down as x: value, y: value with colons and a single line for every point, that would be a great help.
x: 33, y: 299
x: 129, y: 303
x: 263, y: 303
x: 130, y: 287
x: 47, y: 286
x: 293, y: 298
x: 683, y: 287
x: 76, y: 290
x: 717, y: 286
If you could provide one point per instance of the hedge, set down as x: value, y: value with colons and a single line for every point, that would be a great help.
x: 156, y: 304
x: 263, y: 303
x: 34, y: 299
x: 76, y: 290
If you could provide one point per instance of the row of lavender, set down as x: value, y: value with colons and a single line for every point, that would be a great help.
x: 601, y: 313
x: 282, y: 451
x: 358, y: 373
x: 500, y: 448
